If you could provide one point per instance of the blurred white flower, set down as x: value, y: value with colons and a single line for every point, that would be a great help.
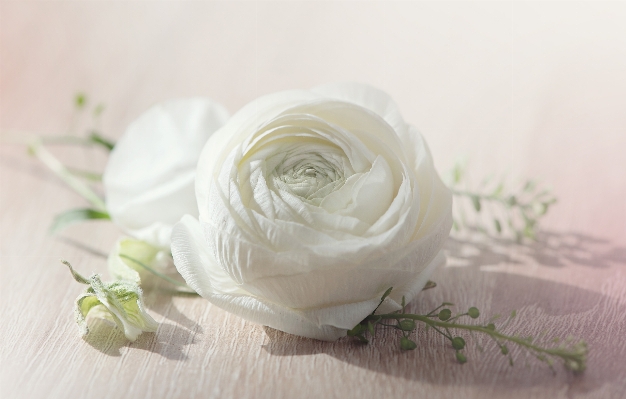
x: 149, y: 178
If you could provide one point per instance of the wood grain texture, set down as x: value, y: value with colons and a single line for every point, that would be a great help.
x: 201, y: 351
x: 572, y: 281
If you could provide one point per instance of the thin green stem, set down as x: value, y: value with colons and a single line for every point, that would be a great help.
x: 37, y: 148
x: 559, y: 352
x: 489, y: 197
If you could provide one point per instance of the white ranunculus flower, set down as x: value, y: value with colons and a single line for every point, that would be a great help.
x: 149, y: 178
x: 311, y: 205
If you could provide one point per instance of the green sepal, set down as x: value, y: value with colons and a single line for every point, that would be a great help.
x: 98, y: 139
x: 357, y: 330
x: 370, y: 328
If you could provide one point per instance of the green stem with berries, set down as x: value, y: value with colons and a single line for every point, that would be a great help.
x: 574, y: 356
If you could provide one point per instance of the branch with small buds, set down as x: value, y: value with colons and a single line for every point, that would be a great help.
x: 516, y: 211
x: 572, y: 353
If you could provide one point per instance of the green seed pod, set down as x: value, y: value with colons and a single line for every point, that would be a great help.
x: 444, y: 314
x: 406, y: 344
x: 406, y: 325
x: 461, y: 357
x: 473, y: 312
x: 458, y: 343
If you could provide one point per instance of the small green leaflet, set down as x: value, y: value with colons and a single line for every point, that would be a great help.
x: 98, y: 139
x: 72, y: 216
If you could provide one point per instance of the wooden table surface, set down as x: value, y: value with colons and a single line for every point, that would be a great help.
x: 533, y: 89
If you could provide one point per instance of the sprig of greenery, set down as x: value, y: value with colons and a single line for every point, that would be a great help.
x: 38, y: 150
x: 517, y: 211
x: 72, y: 176
x: 572, y: 353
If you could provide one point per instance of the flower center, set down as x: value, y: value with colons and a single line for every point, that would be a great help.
x: 310, y: 171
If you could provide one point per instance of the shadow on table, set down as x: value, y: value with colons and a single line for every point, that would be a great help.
x: 544, y: 306
x: 554, y: 249
x: 169, y: 341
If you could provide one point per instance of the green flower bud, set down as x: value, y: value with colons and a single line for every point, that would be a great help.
x: 127, y: 260
x: 461, y: 357
x: 118, y: 301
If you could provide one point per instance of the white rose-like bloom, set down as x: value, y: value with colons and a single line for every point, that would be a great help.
x: 311, y: 205
x: 149, y: 177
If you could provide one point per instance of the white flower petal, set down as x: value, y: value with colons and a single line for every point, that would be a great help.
x: 368, y: 97
x: 202, y: 273
x: 149, y: 178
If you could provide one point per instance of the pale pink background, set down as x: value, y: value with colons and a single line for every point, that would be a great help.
x: 532, y: 89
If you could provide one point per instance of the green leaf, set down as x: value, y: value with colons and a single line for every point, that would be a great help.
x: 370, y: 328
x: 98, y: 110
x: 429, y: 284
x: 529, y: 186
x: 357, y: 330
x: 476, y: 202
x: 386, y: 294
x: 80, y: 99
x: 498, y: 190
x: 73, y: 216
x: 496, y: 222
x: 96, y: 138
